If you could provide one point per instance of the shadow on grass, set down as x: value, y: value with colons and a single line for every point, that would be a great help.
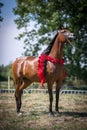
x: 75, y: 114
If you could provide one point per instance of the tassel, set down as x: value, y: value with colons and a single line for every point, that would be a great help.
x: 41, y: 61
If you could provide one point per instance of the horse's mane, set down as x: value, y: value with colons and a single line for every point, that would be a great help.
x: 48, y: 49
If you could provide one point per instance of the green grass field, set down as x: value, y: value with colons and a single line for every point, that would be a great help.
x: 35, y: 107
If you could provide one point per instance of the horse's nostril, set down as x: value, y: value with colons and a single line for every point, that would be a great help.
x: 75, y: 36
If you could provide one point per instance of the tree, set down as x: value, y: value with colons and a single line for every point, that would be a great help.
x: 5, y: 71
x: 49, y: 16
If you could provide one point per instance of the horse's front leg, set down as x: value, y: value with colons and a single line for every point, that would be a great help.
x: 50, y: 98
x: 58, y: 87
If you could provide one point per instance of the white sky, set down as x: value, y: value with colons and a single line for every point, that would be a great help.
x: 10, y: 48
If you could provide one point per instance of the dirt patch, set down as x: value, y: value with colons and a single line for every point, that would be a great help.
x: 35, y: 107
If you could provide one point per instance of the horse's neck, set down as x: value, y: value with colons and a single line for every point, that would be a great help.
x: 57, y: 49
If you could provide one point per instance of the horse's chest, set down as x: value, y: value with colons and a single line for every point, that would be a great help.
x: 51, y: 67
x: 54, y: 69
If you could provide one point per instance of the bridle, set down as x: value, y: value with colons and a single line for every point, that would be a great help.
x: 72, y: 44
x: 75, y: 46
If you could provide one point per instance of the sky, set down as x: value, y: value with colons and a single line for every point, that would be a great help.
x: 10, y: 48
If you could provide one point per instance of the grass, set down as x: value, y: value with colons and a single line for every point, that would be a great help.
x: 35, y: 107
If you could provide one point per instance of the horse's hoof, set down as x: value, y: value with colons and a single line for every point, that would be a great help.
x: 20, y: 114
x: 51, y: 114
x: 58, y: 113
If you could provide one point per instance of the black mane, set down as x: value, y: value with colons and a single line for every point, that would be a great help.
x: 48, y: 49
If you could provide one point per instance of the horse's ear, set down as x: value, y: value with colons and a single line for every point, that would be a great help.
x: 66, y: 26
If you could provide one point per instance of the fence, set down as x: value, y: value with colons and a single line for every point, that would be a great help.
x: 45, y: 91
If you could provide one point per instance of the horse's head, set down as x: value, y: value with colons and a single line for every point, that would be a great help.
x: 65, y: 35
x: 61, y: 37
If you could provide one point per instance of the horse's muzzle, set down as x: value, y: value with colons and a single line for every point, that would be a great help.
x: 72, y: 36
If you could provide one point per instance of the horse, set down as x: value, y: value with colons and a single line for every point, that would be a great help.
x: 25, y: 69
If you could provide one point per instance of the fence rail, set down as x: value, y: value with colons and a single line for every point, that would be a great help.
x: 44, y: 91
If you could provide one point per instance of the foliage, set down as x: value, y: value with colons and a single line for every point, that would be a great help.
x: 49, y: 15
x: 5, y: 71
x: 1, y: 19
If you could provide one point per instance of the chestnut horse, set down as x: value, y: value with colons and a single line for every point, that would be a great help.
x: 25, y: 69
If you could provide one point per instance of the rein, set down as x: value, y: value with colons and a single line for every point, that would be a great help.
x: 75, y: 46
x: 41, y: 63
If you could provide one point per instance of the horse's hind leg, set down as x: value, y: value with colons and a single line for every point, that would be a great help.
x: 18, y: 93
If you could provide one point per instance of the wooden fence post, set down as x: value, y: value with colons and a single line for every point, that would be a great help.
x: 8, y: 82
